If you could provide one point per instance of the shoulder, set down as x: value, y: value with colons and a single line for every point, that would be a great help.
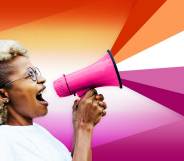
x: 39, y: 126
x: 52, y: 138
x: 5, y: 131
x: 6, y: 150
x: 41, y: 129
x: 8, y: 136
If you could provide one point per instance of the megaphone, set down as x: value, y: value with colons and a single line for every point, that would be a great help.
x: 102, y: 73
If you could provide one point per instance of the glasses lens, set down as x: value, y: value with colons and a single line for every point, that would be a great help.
x: 32, y: 74
x: 37, y: 72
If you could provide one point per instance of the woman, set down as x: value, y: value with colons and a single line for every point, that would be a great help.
x: 21, y: 86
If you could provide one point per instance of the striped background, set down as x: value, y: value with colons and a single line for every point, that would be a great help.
x: 144, y: 119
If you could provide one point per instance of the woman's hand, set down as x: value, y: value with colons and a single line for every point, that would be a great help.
x: 89, y: 110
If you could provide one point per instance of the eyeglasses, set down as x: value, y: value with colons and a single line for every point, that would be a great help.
x: 32, y: 72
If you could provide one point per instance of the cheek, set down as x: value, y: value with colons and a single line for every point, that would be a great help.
x: 23, y: 98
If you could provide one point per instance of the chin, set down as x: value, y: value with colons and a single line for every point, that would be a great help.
x: 41, y: 112
x: 44, y: 112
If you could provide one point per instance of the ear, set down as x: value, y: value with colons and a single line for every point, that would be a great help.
x: 3, y: 94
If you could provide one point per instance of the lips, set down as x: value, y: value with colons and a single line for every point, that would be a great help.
x: 40, y: 98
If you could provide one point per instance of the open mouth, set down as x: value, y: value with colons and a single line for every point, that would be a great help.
x: 40, y: 98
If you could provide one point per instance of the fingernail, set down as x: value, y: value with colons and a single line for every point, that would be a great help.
x: 95, y: 91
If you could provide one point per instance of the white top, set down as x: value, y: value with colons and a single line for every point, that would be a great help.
x: 30, y: 143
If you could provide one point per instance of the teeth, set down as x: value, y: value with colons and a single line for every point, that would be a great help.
x: 40, y: 93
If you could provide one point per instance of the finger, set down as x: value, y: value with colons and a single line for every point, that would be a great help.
x: 103, y: 113
x: 100, y: 110
x: 90, y: 93
x: 100, y: 97
x: 95, y: 105
x: 102, y: 104
x: 93, y: 98
x: 98, y: 120
x: 75, y: 105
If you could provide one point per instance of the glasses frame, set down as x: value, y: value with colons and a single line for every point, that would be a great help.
x: 36, y: 72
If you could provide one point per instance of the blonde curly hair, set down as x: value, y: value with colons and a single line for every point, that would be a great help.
x: 9, y: 49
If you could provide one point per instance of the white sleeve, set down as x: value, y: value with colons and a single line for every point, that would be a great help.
x: 68, y: 156
x: 64, y: 151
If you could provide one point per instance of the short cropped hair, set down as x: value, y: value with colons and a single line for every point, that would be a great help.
x: 9, y: 49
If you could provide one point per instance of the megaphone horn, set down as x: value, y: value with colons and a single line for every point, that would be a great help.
x: 102, y: 73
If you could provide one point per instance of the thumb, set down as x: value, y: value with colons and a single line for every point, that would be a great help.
x: 75, y: 105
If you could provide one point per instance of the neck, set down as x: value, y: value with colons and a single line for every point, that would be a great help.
x: 16, y: 119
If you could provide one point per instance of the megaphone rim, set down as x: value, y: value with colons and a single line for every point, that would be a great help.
x: 115, y: 67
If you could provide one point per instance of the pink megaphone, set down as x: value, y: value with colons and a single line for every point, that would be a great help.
x: 102, y: 73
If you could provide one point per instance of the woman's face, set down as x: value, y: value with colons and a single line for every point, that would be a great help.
x: 25, y: 94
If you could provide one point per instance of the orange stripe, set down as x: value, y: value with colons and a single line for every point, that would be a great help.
x: 167, y: 21
x: 19, y: 12
x: 140, y: 13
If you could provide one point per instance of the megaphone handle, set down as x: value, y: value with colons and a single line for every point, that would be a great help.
x: 82, y: 92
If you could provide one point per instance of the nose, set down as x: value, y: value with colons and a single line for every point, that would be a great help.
x: 41, y: 80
